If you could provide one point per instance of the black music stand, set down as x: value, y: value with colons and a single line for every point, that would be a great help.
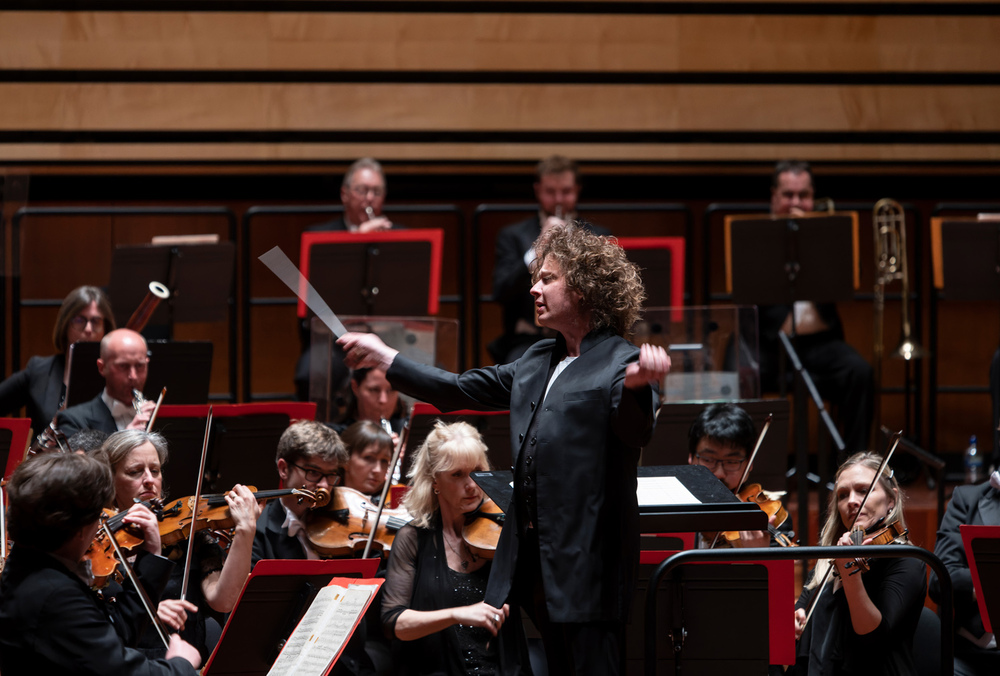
x: 493, y: 425
x: 669, y: 445
x: 198, y: 276
x: 982, y: 551
x: 777, y: 261
x: 966, y: 260
x: 274, y: 599
x: 241, y: 447
x: 375, y: 274
x: 183, y: 367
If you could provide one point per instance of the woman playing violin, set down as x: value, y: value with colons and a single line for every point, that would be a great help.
x: 432, y: 597
x: 370, y: 450
x: 862, y: 623
x: 85, y: 315
x: 136, y: 459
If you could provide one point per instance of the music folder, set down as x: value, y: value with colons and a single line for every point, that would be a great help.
x: 294, y: 617
x: 982, y: 551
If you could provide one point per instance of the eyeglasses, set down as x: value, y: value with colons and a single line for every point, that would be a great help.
x: 80, y: 322
x: 314, y: 475
x: 365, y: 190
x: 727, y: 465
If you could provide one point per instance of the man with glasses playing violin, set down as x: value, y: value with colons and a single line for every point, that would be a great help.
x: 721, y: 439
x: 123, y: 361
x: 310, y: 455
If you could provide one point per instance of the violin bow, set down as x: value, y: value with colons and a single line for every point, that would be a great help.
x: 156, y: 409
x: 146, y: 602
x: 893, y: 444
x: 194, y: 508
x: 746, y: 470
x: 388, y: 480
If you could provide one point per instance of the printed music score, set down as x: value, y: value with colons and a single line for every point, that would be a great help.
x: 321, y: 634
x: 654, y: 491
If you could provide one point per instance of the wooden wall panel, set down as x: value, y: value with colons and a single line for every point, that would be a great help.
x: 539, y: 43
x: 559, y: 109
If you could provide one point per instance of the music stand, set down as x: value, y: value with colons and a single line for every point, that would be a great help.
x: 274, y: 599
x: 982, y: 551
x: 669, y: 445
x: 199, y: 277
x: 375, y: 273
x: 779, y: 260
x: 242, y: 444
x: 183, y: 367
x: 493, y: 425
x: 15, y: 435
x: 661, y: 260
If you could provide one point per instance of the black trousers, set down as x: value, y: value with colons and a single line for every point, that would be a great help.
x: 575, y: 648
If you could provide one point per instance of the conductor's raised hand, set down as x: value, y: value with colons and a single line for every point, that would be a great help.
x: 652, y: 367
x: 366, y: 350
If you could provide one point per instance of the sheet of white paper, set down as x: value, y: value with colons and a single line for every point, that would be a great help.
x: 663, y: 490
x: 322, y: 631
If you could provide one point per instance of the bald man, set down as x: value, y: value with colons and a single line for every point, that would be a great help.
x: 123, y: 362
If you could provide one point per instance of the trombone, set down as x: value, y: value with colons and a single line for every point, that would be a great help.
x: 889, y: 225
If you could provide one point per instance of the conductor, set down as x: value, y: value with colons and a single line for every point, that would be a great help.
x: 581, y: 407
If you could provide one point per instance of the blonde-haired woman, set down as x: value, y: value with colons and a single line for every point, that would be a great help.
x: 432, y: 597
x: 862, y: 623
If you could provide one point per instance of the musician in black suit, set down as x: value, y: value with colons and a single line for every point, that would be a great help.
x: 123, y: 361
x: 50, y: 620
x: 581, y: 407
x: 556, y: 189
x: 85, y: 315
x: 975, y: 650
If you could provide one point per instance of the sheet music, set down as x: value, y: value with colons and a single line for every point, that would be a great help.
x: 322, y: 631
x: 663, y: 490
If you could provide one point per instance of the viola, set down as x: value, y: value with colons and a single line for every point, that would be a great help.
x: 482, y: 528
x: 880, y: 535
x: 342, y: 528
x: 178, y: 517
x: 755, y: 494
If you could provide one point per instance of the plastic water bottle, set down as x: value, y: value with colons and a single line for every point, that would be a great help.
x: 973, y: 463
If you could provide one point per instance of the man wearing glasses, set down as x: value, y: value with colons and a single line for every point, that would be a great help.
x: 363, y: 194
x: 721, y: 439
x: 123, y: 362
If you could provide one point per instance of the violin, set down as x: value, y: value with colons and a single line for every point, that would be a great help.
x: 101, y: 553
x: 342, y: 528
x: 177, y: 517
x: 482, y: 528
x: 880, y: 535
x: 755, y: 494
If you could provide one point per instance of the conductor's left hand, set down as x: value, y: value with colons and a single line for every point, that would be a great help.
x: 652, y: 367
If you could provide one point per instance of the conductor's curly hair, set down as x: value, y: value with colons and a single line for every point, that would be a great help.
x: 596, y: 267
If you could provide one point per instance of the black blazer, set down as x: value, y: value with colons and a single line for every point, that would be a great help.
x: 51, y: 623
x: 93, y: 415
x: 974, y: 505
x: 271, y: 541
x: 589, y: 433
x: 38, y: 388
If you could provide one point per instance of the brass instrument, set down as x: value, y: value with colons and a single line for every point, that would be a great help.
x: 142, y: 314
x: 138, y: 400
x: 824, y: 204
x: 889, y: 225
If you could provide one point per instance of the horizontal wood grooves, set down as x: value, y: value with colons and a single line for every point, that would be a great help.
x: 625, y: 81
